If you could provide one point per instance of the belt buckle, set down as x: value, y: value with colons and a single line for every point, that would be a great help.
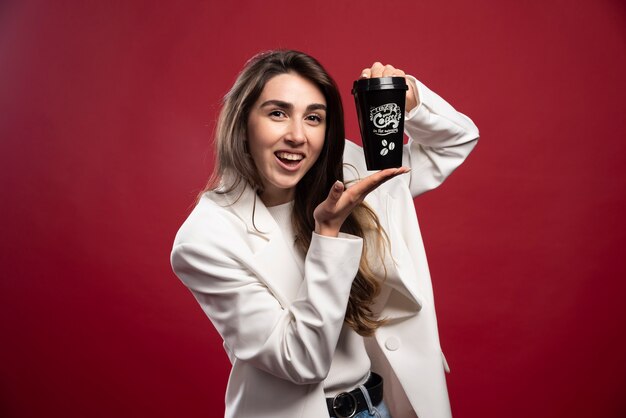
x: 345, y: 405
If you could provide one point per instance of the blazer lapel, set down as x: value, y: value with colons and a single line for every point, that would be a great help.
x: 273, y: 260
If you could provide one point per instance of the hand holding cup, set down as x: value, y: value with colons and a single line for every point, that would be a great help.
x: 379, y: 70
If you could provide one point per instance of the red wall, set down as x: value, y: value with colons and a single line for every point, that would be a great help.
x: 106, y: 112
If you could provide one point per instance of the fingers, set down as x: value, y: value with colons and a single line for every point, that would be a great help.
x: 328, y: 214
x: 334, y: 195
x: 385, y: 175
x: 335, y: 192
x: 388, y: 70
x: 332, y: 212
x: 379, y: 70
x: 370, y: 183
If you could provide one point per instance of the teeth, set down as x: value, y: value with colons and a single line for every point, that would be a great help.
x: 289, y: 156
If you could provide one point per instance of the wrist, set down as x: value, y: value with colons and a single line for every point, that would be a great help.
x: 326, y: 230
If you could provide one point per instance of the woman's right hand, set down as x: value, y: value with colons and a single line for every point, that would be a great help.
x: 332, y: 212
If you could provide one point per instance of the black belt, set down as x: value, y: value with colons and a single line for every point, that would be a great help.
x: 348, y: 404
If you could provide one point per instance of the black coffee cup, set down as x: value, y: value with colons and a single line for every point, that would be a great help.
x: 380, y: 109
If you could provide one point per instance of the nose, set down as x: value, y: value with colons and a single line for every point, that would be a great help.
x: 296, y: 134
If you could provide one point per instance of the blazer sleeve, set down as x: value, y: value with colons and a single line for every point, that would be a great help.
x: 440, y: 138
x: 296, y: 342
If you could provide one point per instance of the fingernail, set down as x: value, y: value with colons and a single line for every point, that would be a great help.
x: 364, y: 75
x: 337, y: 185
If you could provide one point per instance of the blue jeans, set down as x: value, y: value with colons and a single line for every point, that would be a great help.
x: 383, y: 412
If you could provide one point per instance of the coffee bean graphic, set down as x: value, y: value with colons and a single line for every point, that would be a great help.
x: 384, y: 142
x: 384, y: 151
x: 392, y: 145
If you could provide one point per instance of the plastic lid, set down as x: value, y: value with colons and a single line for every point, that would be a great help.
x: 380, y: 83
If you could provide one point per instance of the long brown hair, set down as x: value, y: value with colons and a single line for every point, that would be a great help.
x: 234, y: 166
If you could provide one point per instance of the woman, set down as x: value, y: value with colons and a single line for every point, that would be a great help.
x: 313, y: 272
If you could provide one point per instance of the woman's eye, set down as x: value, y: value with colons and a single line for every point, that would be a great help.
x: 315, y: 118
x: 277, y: 113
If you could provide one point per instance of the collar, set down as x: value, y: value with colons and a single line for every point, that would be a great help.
x: 248, y: 206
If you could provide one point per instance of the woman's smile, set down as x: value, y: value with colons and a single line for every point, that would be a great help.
x: 289, y: 160
x: 286, y: 131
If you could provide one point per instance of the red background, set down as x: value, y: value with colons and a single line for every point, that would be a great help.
x: 106, y: 114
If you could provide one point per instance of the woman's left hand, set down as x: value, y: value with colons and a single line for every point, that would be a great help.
x: 332, y: 212
x: 380, y: 70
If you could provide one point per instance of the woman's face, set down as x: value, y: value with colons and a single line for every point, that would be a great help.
x: 286, y: 130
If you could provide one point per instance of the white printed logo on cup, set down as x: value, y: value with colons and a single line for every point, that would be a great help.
x: 386, y: 119
x: 387, y: 146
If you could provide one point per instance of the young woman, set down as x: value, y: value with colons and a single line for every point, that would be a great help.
x: 312, y: 269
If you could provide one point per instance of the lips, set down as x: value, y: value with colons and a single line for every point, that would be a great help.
x: 290, y: 156
x: 289, y: 160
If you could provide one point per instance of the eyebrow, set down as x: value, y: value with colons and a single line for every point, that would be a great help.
x: 289, y: 106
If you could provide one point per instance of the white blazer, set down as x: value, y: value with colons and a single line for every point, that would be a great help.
x: 280, y: 325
